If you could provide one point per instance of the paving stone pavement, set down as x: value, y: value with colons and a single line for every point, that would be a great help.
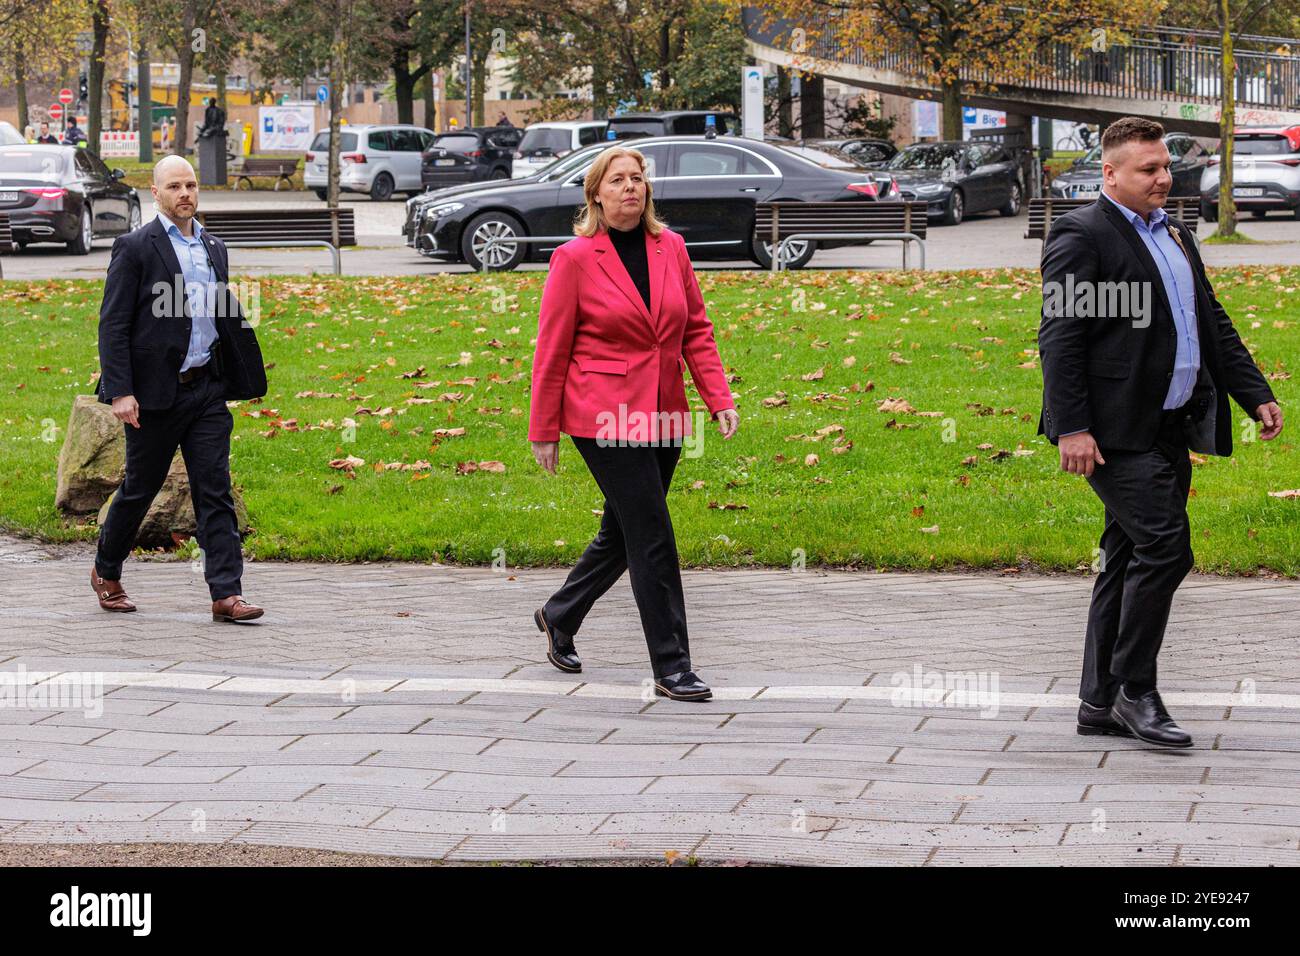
x: 408, y: 710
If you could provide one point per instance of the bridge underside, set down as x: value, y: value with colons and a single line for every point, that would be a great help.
x: 1199, y: 118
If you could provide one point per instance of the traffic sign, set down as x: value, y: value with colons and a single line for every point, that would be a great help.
x: 56, y: 112
x: 322, y: 94
x: 65, y: 96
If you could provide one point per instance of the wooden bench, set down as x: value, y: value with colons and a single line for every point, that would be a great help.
x: 1047, y: 209
x: 6, y: 238
x: 252, y: 228
x: 282, y: 169
x: 781, y: 222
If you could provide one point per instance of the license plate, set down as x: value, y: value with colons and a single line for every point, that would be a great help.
x: 8, y: 197
x: 1084, y: 191
x: 444, y: 162
x: 1240, y: 191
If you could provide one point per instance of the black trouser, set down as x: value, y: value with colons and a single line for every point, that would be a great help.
x: 200, y: 424
x: 636, y: 534
x: 1146, y: 551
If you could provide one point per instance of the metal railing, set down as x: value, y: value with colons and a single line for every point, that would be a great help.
x: 778, y: 260
x: 1164, y: 63
x: 302, y: 243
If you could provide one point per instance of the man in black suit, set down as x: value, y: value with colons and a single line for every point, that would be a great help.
x: 1138, y: 359
x: 173, y: 348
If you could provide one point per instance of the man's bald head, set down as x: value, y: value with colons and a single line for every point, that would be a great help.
x: 176, y: 190
x: 170, y: 164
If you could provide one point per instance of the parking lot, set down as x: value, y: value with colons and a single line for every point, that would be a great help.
x: 984, y: 241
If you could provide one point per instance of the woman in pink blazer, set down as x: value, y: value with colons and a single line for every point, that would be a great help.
x: 621, y: 317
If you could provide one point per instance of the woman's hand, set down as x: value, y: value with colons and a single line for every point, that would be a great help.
x: 728, y: 422
x: 547, y: 454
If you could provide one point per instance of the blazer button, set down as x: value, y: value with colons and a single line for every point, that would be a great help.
x: 654, y: 348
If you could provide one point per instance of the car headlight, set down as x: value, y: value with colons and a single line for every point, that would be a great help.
x: 442, y: 209
x: 1058, y: 184
x: 929, y: 189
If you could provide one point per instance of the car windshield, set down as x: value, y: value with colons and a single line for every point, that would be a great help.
x: 456, y: 142
x: 542, y: 139
x: 347, y: 142
x: 1092, y: 157
x: 1261, y: 145
x: 570, y: 163
x: 32, y: 162
x: 829, y: 157
x: 628, y: 129
x: 927, y: 156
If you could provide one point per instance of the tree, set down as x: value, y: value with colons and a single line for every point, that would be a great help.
x: 36, y: 43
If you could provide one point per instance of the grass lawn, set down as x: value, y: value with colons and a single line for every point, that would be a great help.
x: 140, y: 174
x: 962, y: 481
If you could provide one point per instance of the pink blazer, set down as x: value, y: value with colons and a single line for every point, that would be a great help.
x: 605, y: 366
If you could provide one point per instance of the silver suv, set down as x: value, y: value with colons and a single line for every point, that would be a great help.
x: 379, y: 160
x: 1265, y: 172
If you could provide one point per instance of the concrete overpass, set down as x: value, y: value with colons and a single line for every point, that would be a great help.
x: 1166, y: 74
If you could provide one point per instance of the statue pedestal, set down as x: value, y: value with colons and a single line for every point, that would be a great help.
x: 212, y: 160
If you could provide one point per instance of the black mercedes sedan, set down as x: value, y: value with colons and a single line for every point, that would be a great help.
x: 958, y: 178
x: 704, y: 188
x: 1188, y: 158
x: 64, y: 194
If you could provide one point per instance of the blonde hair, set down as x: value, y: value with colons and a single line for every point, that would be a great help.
x: 592, y: 218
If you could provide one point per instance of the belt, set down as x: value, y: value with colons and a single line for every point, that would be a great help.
x: 197, y: 372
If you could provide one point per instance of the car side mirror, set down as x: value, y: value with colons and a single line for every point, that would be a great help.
x: 118, y: 174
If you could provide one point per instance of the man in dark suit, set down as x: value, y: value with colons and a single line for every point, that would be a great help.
x: 1139, y: 359
x: 173, y: 348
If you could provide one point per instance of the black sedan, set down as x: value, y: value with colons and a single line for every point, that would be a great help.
x: 705, y: 189
x: 958, y: 178
x: 64, y: 194
x: 1188, y: 158
x: 865, y: 152
x: 469, y: 156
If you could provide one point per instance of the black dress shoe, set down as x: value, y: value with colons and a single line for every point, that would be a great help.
x: 559, y: 646
x: 1097, y: 720
x: 682, y: 686
x: 1148, y: 721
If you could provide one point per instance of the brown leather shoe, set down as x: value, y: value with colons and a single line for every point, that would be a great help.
x: 235, y: 610
x: 110, y: 593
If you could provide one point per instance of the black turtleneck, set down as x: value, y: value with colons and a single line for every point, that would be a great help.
x: 630, y: 245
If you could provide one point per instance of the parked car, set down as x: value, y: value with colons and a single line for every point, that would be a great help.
x: 958, y: 178
x: 671, y: 123
x: 1188, y: 158
x: 64, y: 194
x: 544, y: 143
x: 872, y: 153
x: 9, y: 135
x: 469, y: 155
x: 379, y: 160
x: 706, y: 190
x: 1265, y: 172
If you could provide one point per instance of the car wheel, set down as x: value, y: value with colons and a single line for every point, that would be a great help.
x: 81, y: 245
x: 499, y: 174
x: 20, y: 244
x: 1296, y: 212
x: 955, y: 210
x: 381, y: 190
x: 133, y: 218
x: 1209, y: 213
x: 492, y: 225
x: 1258, y: 213
x: 1012, y: 208
x: 322, y: 194
x: 797, y: 253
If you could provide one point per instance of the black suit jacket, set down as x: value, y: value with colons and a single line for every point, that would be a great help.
x: 1110, y: 377
x: 144, y: 323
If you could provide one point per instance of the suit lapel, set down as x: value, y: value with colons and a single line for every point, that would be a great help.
x: 612, y: 265
x: 162, y: 244
x: 654, y: 253
x: 1127, y: 230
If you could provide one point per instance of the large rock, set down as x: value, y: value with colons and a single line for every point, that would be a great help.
x: 92, y: 461
x: 92, y: 465
x: 172, y: 511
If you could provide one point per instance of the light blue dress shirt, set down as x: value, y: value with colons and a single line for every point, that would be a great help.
x: 192, y: 254
x: 1180, y: 289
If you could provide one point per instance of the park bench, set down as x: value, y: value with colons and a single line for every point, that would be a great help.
x: 6, y: 238
x: 282, y: 169
x: 253, y: 228
x: 1047, y: 209
x: 783, y: 223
